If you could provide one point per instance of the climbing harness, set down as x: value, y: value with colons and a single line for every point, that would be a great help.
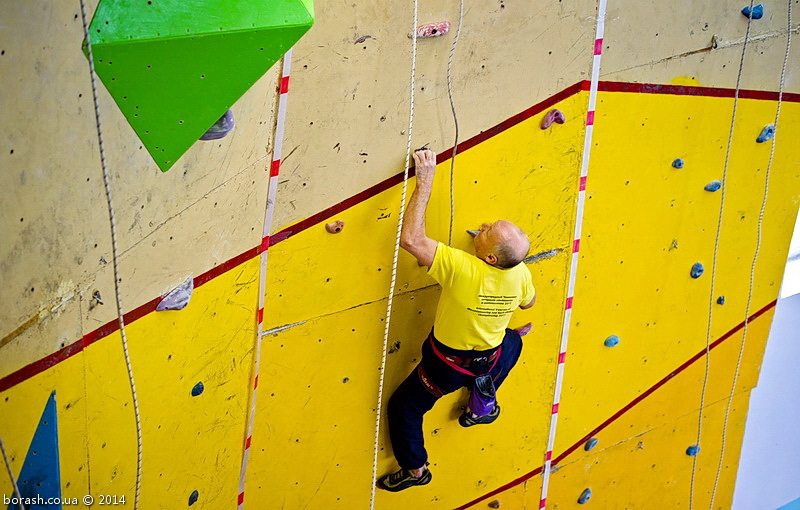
x: 714, y: 262
x: 579, y: 208
x: 114, y: 250
x: 455, y: 121
x: 17, y: 493
x: 755, y: 257
x: 382, y: 370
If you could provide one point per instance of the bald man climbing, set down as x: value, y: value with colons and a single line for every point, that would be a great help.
x: 470, y: 344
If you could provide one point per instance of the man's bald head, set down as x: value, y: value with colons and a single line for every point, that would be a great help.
x: 502, y: 244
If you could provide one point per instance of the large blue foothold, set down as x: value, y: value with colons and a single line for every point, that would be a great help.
x: 590, y: 443
x: 697, y: 270
x: 193, y: 497
x: 585, y: 496
x: 768, y: 133
x: 713, y: 186
x: 611, y: 341
x: 757, y: 13
x: 198, y: 389
x: 678, y: 163
x: 693, y: 450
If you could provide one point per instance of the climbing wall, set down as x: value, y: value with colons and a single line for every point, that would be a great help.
x: 657, y: 361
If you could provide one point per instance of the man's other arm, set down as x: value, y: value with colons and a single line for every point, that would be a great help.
x: 413, y: 238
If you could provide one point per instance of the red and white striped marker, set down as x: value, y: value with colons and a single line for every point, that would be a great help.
x: 262, y: 284
x: 573, y: 271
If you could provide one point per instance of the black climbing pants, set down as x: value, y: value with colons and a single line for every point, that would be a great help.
x: 431, y: 379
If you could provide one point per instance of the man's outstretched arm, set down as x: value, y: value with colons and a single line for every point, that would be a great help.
x: 413, y: 238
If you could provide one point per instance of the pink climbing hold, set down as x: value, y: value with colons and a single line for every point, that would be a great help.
x: 553, y: 115
x: 432, y: 30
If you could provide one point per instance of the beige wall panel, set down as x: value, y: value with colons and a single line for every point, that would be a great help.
x: 348, y: 100
x: 54, y: 222
x: 668, y: 42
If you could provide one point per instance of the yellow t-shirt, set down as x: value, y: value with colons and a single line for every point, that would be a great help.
x: 477, y: 299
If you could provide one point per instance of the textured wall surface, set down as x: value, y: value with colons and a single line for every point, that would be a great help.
x: 665, y: 92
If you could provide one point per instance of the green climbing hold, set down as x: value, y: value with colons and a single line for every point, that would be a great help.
x: 174, y: 67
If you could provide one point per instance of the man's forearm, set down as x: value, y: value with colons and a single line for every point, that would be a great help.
x: 414, y: 219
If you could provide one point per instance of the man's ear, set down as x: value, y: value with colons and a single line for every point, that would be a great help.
x: 491, y: 258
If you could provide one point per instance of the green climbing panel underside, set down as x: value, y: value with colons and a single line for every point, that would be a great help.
x: 172, y: 89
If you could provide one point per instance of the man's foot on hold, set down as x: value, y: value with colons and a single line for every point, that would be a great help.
x: 467, y: 419
x: 403, y: 479
x: 524, y: 330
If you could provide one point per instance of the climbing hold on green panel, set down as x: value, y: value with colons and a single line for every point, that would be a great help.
x: 174, y: 67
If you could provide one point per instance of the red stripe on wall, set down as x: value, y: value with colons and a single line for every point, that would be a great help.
x: 284, y: 85
x: 275, y: 168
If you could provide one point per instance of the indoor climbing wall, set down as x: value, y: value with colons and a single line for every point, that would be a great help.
x: 659, y: 223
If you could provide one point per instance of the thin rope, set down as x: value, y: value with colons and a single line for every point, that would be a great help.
x: 755, y: 260
x: 11, y: 475
x: 114, y: 250
x: 455, y: 121
x: 714, y: 262
x: 382, y: 370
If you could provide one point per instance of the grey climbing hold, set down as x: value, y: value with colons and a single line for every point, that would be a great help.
x: 221, y: 127
x: 611, y: 341
x: 693, y: 450
x: 177, y: 298
x: 768, y: 133
x: 697, y: 270
x: 721, y: 300
x: 590, y: 443
x: 757, y: 12
x: 193, y: 497
x: 713, y: 186
x: 553, y: 115
x: 473, y: 233
x: 677, y: 163
x: 198, y: 389
x: 585, y: 496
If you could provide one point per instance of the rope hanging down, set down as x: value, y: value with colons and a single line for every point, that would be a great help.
x: 755, y: 258
x: 382, y: 369
x: 115, y: 253
x: 455, y: 121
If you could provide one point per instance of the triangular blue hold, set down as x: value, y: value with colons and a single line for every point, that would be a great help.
x: 41, y: 476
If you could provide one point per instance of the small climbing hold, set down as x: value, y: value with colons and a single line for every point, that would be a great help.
x: 334, y: 227
x: 198, y: 389
x: 697, y: 270
x: 473, y: 233
x: 221, y: 127
x: 713, y: 186
x: 677, y: 163
x: 193, y: 497
x: 585, y: 496
x: 494, y: 504
x: 768, y: 133
x: 178, y: 298
x: 693, y: 450
x: 590, y: 443
x: 553, y: 115
x: 757, y: 13
x: 721, y: 300
x: 611, y: 341
x: 432, y: 30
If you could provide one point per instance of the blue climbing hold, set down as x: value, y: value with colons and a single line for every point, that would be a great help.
x: 585, y: 496
x: 693, y: 450
x: 757, y: 13
x: 590, y: 443
x: 721, y: 300
x: 473, y: 233
x: 768, y: 133
x: 611, y: 341
x: 678, y: 163
x: 697, y: 270
x: 198, y: 389
x: 713, y: 186
x: 193, y: 497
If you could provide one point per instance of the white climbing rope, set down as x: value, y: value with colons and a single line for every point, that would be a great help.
x: 114, y: 250
x: 17, y: 493
x: 714, y: 261
x: 382, y: 370
x: 455, y: 120
x: 755, y: 259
